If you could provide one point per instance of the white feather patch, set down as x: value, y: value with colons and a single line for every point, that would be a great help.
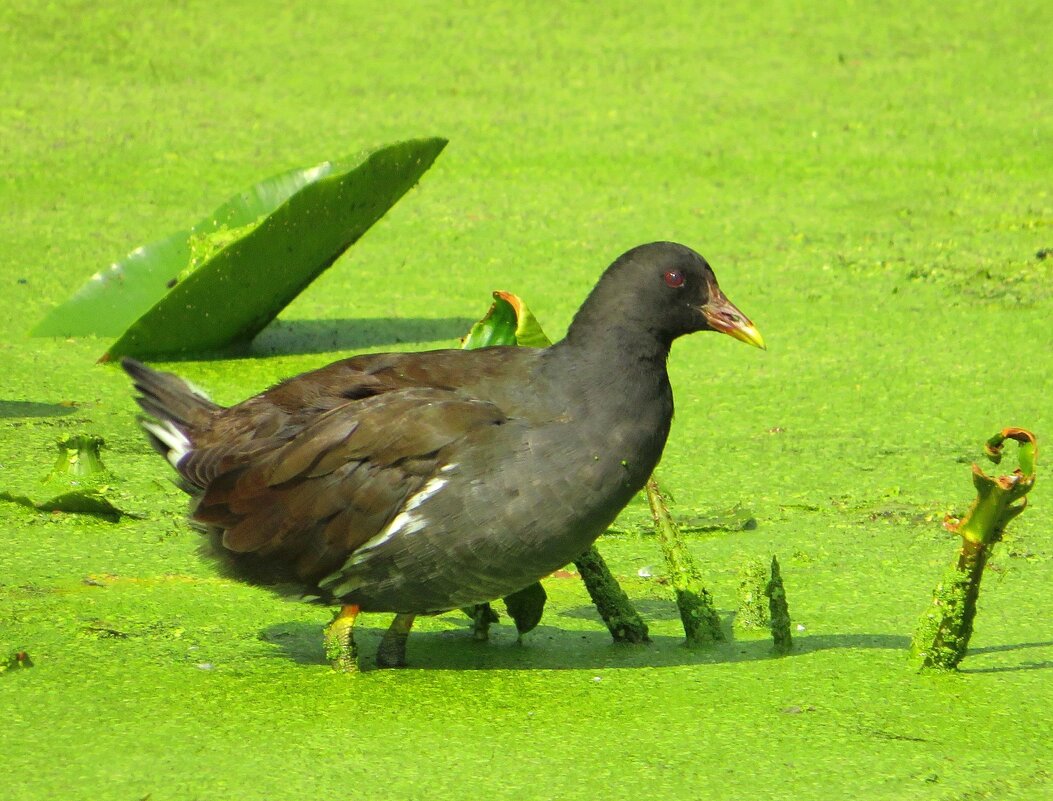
x: 405, y: 522
x: 426, y: 492
x: 171, y: 437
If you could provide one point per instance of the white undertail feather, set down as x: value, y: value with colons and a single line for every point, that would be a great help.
x: 171, y: 437
x: 196, y: 389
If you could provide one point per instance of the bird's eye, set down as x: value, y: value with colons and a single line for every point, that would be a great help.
x: 674, y: 278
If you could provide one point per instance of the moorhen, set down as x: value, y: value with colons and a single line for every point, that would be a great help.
x: 417, y: 483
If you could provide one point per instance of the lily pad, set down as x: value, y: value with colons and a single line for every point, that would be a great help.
x: 79, y: 483
x: 223, y: 280
x: 86, y: 501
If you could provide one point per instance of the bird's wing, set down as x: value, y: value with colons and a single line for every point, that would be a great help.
x: 371, y: 384
x: 311, y: 498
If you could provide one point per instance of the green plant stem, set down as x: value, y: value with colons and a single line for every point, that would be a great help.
x: 943, y: 633
x: 697, y: 613
x: 942, y: 637
x: 614, y: 606
x: 779, y: 610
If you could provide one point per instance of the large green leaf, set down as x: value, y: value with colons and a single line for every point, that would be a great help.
x: 223, y: 280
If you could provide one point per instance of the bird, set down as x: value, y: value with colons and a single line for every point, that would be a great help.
x: 416, y: 483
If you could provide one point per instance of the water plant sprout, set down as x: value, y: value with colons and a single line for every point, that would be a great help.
x: 942, y: 636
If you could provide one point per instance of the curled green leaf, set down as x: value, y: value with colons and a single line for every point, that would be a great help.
x: 528, y: 331
x: 497, y: 327
x: 508, y: 322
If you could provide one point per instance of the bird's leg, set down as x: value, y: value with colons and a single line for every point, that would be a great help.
x: 482, y: 616
x: 340, y: 647
x: 392, y: 651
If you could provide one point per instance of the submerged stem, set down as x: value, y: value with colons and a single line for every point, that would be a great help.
x: 697, y: 612
x: 614, y: 606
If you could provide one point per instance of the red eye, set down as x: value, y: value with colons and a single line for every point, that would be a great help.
x: 674, y: 278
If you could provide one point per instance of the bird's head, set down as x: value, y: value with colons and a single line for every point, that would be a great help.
x: 667, y: 290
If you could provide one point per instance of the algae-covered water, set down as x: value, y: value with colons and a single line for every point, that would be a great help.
x: 872, y: 186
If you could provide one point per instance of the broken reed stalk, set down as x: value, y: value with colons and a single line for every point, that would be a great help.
x: 779, y: 611
x: 942, y: 637
x: 753, y: 613
x: 79, y: 455
x: 614, y: 606
x: 697, y: 613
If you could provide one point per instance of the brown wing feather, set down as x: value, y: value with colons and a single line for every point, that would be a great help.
x: 290, y: 482
x: 313, y: 498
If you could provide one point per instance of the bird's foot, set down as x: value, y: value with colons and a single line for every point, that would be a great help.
x: 392, y: 651
x: 525, y: 607
x: 482, y: 616
x: 340, y: 647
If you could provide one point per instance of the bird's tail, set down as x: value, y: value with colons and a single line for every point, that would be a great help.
x: 176, y: 408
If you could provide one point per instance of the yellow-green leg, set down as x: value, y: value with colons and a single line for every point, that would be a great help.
x: 340, y: 647
x: 392, y: 651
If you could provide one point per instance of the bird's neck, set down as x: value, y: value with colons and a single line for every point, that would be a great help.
x: 625, y: 367
x: 618, y: 346
x: 616, y: 386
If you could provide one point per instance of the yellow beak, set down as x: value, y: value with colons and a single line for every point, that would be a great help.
x: 722, y: 315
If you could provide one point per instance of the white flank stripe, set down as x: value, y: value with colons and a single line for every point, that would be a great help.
x: 426, y: 492
x: 405, y: 522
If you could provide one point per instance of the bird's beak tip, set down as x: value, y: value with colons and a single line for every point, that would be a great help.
x: 722, y: 315
x: 748, y: 334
